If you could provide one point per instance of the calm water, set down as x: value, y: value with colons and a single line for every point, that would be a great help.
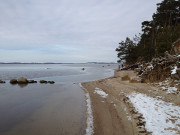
x: 46, y: 109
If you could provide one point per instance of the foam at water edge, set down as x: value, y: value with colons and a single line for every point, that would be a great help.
x: 90, y: 127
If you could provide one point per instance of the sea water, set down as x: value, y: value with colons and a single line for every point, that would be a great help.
x: 46, y: 109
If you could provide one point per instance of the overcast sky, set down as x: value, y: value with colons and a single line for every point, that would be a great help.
x: 68, y: 30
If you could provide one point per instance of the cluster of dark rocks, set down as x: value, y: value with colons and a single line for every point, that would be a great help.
x: 23, y: 80
x: 2, y: 81
x: 43, y: 81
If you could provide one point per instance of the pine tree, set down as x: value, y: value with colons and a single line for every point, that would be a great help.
x: 157, y: 35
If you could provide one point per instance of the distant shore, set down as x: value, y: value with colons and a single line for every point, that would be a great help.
x: 113, y: 113
x: 57, y: 63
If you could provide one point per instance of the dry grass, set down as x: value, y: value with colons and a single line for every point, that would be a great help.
x: 134, y: 81
x: 125, y: 78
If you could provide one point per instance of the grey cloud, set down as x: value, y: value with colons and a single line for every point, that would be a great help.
x: 53, y: 26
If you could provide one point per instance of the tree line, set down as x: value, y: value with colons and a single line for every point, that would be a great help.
x: 157, y: 35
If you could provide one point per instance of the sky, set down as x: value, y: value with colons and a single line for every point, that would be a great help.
x: 69, y: 30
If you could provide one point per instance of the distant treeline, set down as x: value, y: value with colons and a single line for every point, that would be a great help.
x: 157, y: 35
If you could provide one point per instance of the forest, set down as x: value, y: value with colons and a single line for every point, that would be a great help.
x: 156, y: 37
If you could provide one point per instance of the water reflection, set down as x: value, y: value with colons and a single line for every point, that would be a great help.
x: 44, y: 109
x: 22, y: 85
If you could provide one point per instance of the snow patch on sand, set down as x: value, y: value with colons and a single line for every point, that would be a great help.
x: 89, y: 129
x: 162, y: 118
x: 100, y: 92
x: 129, y: 118
x: 90, y: 126
x: 170, y: 90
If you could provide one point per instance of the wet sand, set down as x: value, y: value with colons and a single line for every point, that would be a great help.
x: 112, y: 114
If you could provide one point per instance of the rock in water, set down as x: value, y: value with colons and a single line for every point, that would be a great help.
x: 13, y: 81
x: 22, y: 80
x: 43, y: 81
x: 2, y: 81
x: 32, y: 81
x: 51, y: 82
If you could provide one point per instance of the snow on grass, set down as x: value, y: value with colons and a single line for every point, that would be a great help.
x: 161, y: 118
x: 164, y: 88
x: 100, y: 92
x: 164, y: 83
x: 170, y: 89
x: 174, y: 70
x: 150, y: 66
x: 90, y: 126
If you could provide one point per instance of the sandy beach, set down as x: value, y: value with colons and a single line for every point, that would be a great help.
x: 115, y: 113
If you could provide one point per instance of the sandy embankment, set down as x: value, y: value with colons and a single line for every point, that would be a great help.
x: 114, y: 115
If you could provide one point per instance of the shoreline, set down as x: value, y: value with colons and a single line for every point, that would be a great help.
x: 113, y: 109
x: 89, y: 119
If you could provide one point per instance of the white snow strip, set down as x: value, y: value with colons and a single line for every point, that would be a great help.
x: 162, y: 118
x: 90, y: 126
x: 174, y: 70
x: 89, y: 129
x: 100, y: 92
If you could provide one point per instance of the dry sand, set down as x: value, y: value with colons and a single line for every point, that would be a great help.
x: 113, y: 115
